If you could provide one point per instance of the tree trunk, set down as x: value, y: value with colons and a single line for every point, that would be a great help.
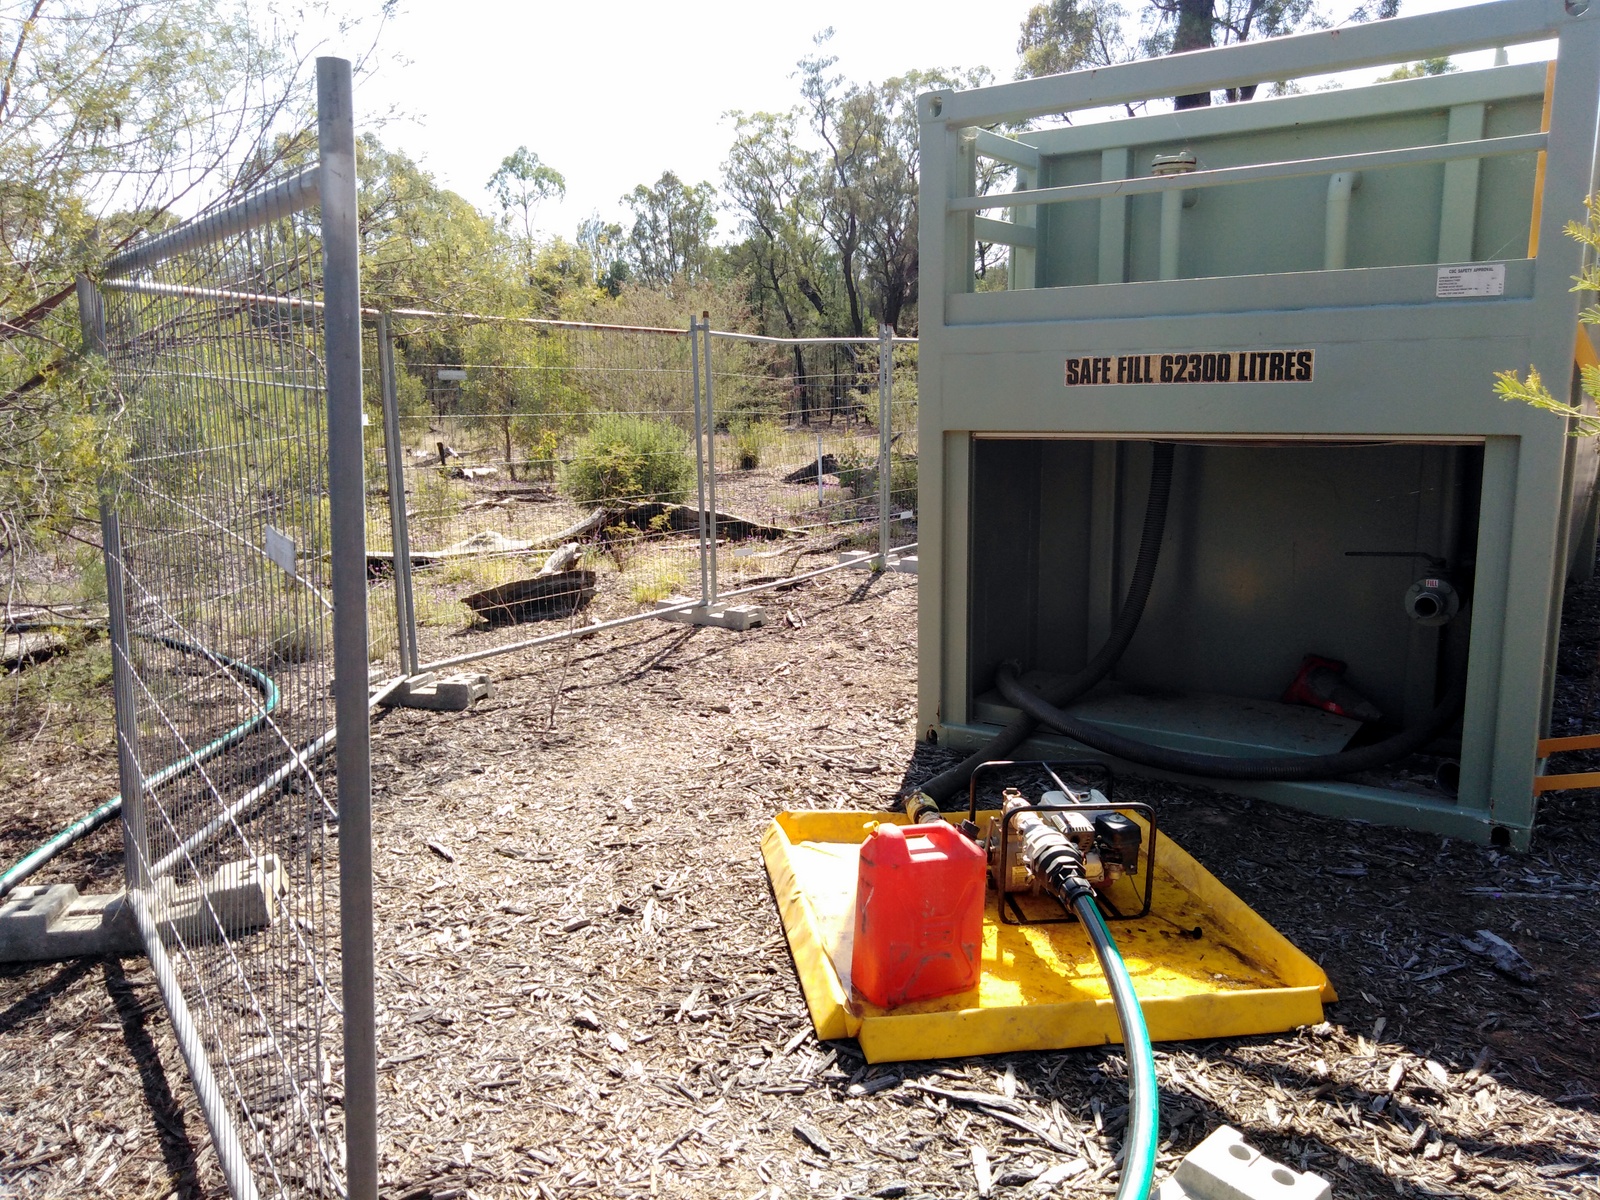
x: 800, y: 385
x: 511, y: 467
x: 1196, y: 22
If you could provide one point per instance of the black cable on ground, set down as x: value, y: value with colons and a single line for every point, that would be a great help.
x: 943, y: 786
x: 1218, y: 766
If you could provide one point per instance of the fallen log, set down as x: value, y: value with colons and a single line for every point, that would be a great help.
x: 808, y: 473
x: 563, y: 559
x: 18, y: 650
x: 648, y: 517
x: 540, y: 598
x: 556, y: 591
x: 656, y: 516
x: 380, y: 563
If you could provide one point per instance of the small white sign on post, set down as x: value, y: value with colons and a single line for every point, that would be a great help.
x: 280, y: 549
x: 1474, y: 279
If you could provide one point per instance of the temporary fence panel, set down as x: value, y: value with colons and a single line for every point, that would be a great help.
x: 236, y: 580
x: 683, y: 461
x: 816, y: 434
x: 511, y: 438
x: 797, y: 441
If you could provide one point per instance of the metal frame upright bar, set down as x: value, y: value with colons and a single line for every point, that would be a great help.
x: 709, y: 501
x: 395, y: 468
x: 699, y: 459
x: 347, y: 505
x: 92, y: 318
x: 885, y: 413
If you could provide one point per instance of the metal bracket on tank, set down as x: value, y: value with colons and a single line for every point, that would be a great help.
x: 1007, y: 900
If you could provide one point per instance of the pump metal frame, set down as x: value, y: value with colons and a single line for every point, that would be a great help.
x: 1367, y: 325
x: 1006, y: 899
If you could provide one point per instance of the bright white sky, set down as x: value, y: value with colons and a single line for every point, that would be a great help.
x: 613, y: 93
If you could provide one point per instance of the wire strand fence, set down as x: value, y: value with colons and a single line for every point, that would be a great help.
x: 221, y: 518
x: 550, y: 477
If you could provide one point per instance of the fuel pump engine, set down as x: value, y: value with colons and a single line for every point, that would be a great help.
x: 1047, y: 851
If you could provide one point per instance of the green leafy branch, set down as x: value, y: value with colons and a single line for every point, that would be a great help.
x: 1532, y: 390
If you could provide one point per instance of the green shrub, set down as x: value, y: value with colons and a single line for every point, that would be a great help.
x: 858, y: 468
x: 748, y: 438
x: 542, y: 451
x: 903, y: 479
x: 628, y: 457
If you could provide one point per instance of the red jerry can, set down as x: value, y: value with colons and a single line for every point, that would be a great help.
x: 919, y: 914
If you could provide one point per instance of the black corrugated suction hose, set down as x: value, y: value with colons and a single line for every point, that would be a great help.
x: 1217, y: 766
x: 947, y: 783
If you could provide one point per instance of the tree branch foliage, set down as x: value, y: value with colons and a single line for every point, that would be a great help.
x: 1068, y: 35
x: 1508, y: 385
x: 116, y: 117
x: 826, y: 196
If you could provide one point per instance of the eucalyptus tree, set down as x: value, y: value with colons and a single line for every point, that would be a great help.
x: 520, y: 185
x: 1065, y: 35
x: 770, y: 181
x: 116, y: 117
x: 423, y: 246
x: 606, y: 246
x: 671, y: 233
x: 866, y: 182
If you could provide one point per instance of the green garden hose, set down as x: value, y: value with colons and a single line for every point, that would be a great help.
x: 1056, y: 862
x: 99, y: 815
x: 1139, y: 1143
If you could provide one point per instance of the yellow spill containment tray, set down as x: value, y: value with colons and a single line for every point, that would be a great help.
x: 1041, y: 986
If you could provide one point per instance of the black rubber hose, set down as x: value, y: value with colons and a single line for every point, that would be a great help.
x: 1217, y: 766
x: 948, y: 782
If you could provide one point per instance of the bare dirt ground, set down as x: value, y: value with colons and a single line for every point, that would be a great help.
x: 584, y: 988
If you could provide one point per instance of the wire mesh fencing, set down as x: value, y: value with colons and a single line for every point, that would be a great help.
x: 387, y: 620
x: 221, y: 517
x: 901, y: 447
x: 809, y: 436
x: 535, y: 460
x: 560, y: 475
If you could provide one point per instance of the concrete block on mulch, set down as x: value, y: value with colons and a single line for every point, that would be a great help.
x: 440, y: 693
x: 47, y: 922
x: 1226, y: 1167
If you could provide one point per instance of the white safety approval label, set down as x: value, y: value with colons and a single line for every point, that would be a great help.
x: 1475, y: 279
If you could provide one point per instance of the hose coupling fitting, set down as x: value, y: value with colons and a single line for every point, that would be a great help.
x: 1051, y: 857
x: 921, y: 809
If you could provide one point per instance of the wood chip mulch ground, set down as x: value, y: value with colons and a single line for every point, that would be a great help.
x: 585, y: 990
